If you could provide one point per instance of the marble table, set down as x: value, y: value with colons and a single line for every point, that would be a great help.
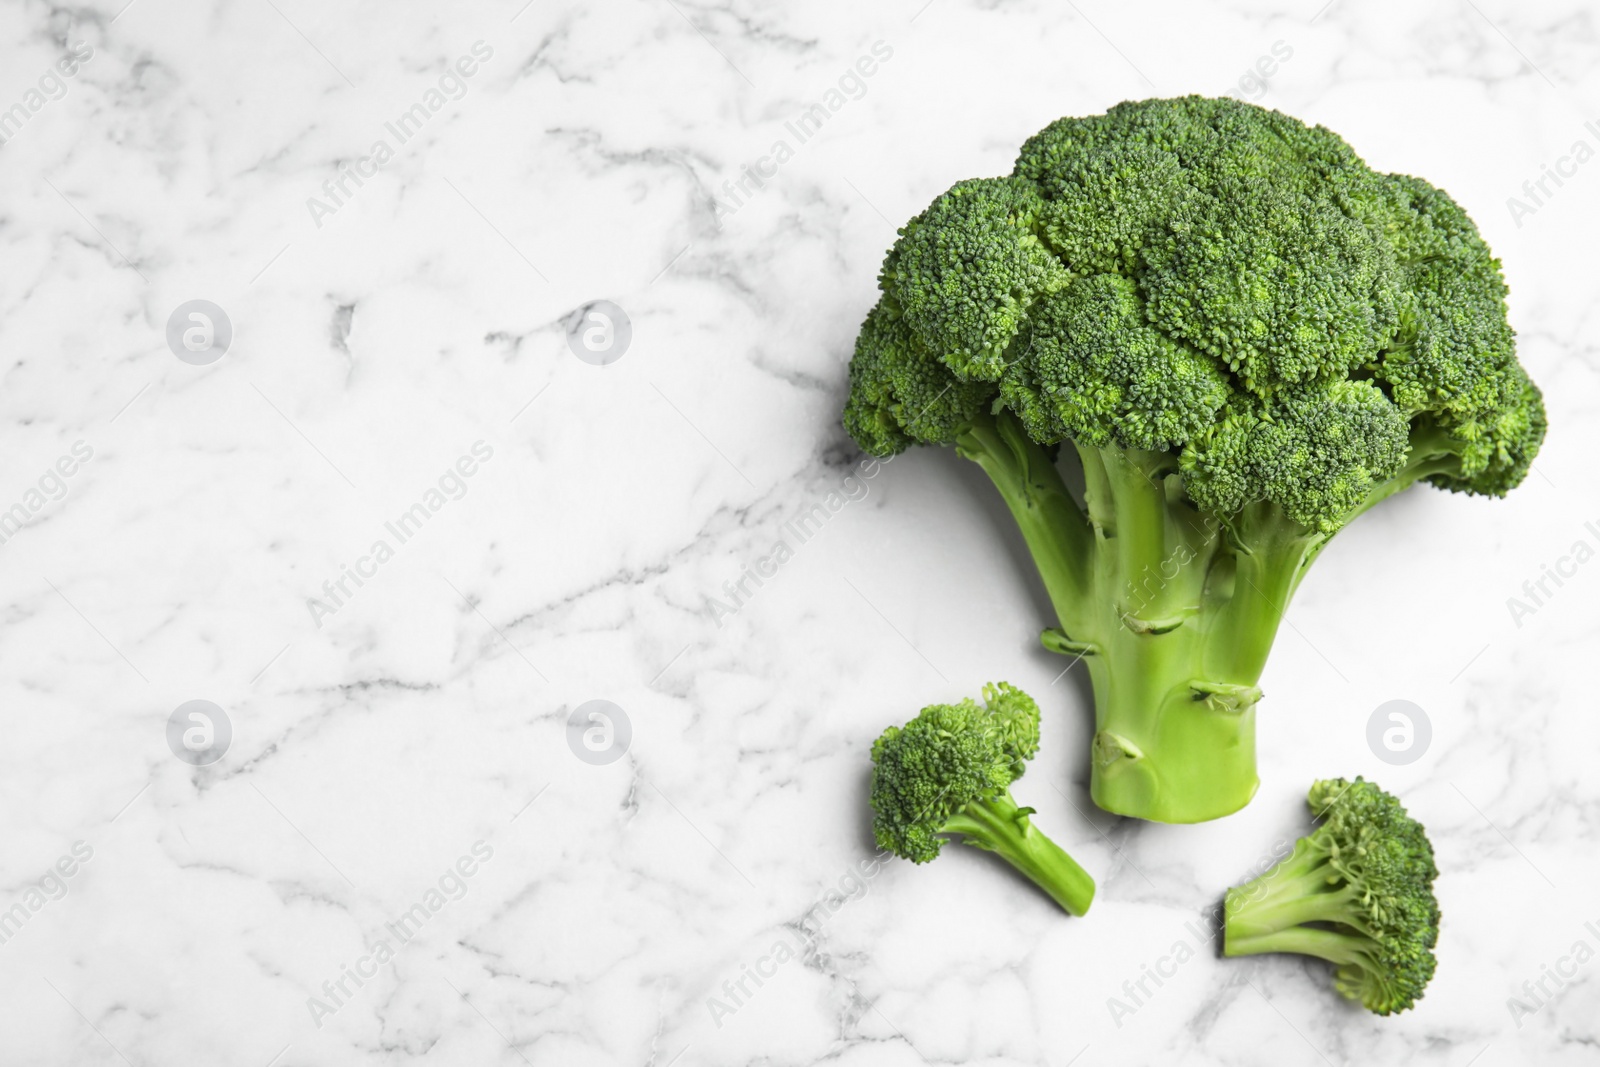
x: 397, y: 380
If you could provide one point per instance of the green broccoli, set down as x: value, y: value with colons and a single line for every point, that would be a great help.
x: 1249, y: 338
x: 949, y: 771
x: 1357, y: 892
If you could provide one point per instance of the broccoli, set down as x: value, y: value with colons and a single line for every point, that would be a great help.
x: 949, y: 771
x: 1249, y: 338
x: 1357, y: 892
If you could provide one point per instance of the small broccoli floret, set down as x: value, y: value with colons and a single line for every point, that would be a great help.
x: 1283, y: 287
x: 1248, y: 337
x: 1316, y: 453
x: 1357, y: 892
x: 965, y: 271
x: 900, y: 392
x: 949, y: 772
x: 1097, y: 373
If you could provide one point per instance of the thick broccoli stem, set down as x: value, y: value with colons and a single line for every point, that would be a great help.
x: 1174, y: 711
x: 1173, y: 612
x: 1270, y: 554
x: 1173, y: 617
x: 1164, y: 749
x: 1331, y: 945
x: 1052, y: 524
x: 1257, y: 920
x: 1304, y: 888
x: 997, y: 825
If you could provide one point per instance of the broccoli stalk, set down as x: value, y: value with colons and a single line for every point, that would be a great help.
x: 997, y: 825
x: 1248, y: 338
x: 1172, y: 611
x: 1365, y: 879
x: 948, y: 772
x: 1173, y: 666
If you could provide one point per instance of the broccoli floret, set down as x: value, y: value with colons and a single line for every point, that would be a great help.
x: 1248, y: 337
x: 1097, y: 373
x: 1357, y: 892
x: 965, y: 271
x: 949, y: 772
x: 902, y: 395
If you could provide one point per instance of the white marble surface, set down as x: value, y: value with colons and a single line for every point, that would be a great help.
x: 427, y: 713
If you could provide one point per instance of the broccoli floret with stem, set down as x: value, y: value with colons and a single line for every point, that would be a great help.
x: 1247, y: 337
x: 1357, y: 892
x: 948, y: 773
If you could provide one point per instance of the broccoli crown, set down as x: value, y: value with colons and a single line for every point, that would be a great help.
x: 1383, y: 858
x: 946, y: 758
x: 1207, y: 276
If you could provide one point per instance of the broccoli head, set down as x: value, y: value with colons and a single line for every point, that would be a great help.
x: 1249, y: 337
x: 948, y: 772
x: 1357, y: 892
